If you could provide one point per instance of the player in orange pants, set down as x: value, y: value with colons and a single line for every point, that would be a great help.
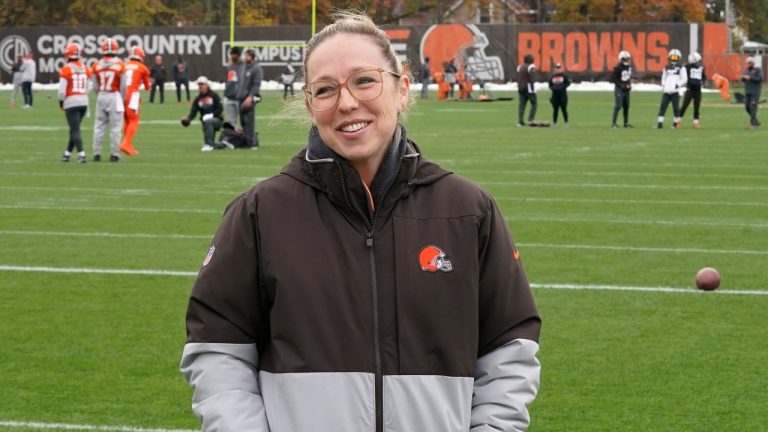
x: 136, y: 73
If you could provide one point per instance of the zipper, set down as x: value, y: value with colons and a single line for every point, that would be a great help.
x: 379, y: 375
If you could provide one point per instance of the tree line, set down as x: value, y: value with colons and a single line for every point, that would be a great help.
x: 751, y: 15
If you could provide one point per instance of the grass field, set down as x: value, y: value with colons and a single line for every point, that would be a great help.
x: 596, y: 212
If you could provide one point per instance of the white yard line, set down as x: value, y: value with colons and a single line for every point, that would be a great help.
x: 642, y: 249
x: 81, y: 427
x: 637, y: 222
x: 621, y: 185
x: 630, y: 201
x: 111, y: 209
x: 102, y: 234
x: 646, y: 289
x: 141, y: 272
x: 534, y: 285
x: 609, y: 174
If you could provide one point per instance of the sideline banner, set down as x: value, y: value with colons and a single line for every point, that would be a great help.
x: 486, y: 52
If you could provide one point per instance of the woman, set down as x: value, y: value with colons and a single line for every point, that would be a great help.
x: 559, y: 83
x: 364, y: 288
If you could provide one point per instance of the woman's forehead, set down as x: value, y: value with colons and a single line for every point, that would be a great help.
x: 342, y: 54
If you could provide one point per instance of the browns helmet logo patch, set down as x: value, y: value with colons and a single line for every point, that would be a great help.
x: 432, y: 259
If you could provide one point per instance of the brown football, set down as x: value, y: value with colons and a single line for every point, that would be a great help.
x: 707, y: 279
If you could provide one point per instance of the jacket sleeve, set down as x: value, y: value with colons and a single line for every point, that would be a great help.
x: 507, y: 370
x: 226, y: 325
x: 756, y: 76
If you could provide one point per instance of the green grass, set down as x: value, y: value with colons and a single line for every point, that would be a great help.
x: 588, y: 205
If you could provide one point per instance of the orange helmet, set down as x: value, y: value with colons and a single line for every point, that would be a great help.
x: 136, y: 52
x: 109, y: 46
x: 73, y: 51
x: 432, y: 259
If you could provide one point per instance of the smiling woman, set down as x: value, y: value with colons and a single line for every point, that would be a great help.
x: 365, y: 287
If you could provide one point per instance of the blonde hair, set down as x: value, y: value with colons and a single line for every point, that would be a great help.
x: 355, y: 22
x: 350, y: 22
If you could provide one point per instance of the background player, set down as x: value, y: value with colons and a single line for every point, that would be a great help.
x: 109, y: 77
x: 526, y: 89
x: 752, y: 79
x: 208, y: 104
x: 559, y: 83
x: 136, y: 73
x: 672, y: 78
x: 697, y: 76
x: 73, y: 98
x: 622, y: 80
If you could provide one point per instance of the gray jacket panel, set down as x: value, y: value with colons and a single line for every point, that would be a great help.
x: 226, y: 384
x: 506, y: 382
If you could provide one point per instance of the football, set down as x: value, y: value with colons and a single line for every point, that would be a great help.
x: 185, y: 122
x: 707, y: 279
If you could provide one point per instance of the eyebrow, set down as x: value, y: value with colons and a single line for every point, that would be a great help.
x: 354, y: 71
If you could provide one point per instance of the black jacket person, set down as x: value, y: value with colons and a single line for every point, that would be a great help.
x: 249, y: 94
x: 208, y: 104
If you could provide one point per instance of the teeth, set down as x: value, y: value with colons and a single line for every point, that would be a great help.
x: 353, y: 127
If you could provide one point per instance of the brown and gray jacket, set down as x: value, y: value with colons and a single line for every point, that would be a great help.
x: 319, y: 309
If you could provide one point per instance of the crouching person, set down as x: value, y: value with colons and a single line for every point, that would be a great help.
x: 209, y: 105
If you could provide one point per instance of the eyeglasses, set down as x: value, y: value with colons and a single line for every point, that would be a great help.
x: 365, y: 85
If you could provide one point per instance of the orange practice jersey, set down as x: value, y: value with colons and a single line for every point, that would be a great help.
x: 136, y: 73
x: 108, y: 72
x: 77, y: 76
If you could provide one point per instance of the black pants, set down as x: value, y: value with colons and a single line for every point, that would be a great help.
x: 559, y: 102
x: 160, y: 86
x: 694, y: 95
x: 210, y: 127
x: 74, y: 118
x: 248, y: 123
x: 621, y: 98
x: 524, y: 98
x: 666, y: 98
x: 750, y: 104
x: 179, y: 84
x: 26, y: 90
x: 287, y: 87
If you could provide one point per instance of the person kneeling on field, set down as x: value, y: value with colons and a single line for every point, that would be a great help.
x: 209, y: 105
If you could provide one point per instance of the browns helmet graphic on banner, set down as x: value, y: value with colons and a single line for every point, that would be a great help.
x: 465, y: 44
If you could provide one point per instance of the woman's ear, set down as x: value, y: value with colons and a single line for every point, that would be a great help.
x: 405, y: 93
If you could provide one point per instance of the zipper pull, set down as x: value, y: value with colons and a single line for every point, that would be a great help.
x: 369, y: 239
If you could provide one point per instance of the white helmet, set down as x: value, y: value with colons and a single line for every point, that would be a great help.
x: 694, y: 57
x: 625, y: 57
x: 674, y: 55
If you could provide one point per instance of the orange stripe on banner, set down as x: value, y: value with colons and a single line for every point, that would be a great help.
x: 398, y: 34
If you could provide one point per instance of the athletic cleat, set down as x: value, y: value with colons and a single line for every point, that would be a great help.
x: 615, y: 126
x: 520, y: 124
x: 81, y: 159
x: 97, y: 158
x: 676, y: 125
x: 65, y: 158
x: 628, y: 126
x: 114, y: 158
x: 697, y: 126
x: 659, y: 125
x: 206, y: 148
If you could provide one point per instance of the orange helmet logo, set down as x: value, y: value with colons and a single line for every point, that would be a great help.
x: 432, y: 259
x: 136, y: 52
x: 72, y: 51
x: 109, y: 46
x: 464, y: 44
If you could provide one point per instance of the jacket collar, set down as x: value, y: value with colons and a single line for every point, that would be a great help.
x: 402, y: 169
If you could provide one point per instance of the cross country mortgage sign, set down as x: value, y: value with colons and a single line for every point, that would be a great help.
x: 486, y: 52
